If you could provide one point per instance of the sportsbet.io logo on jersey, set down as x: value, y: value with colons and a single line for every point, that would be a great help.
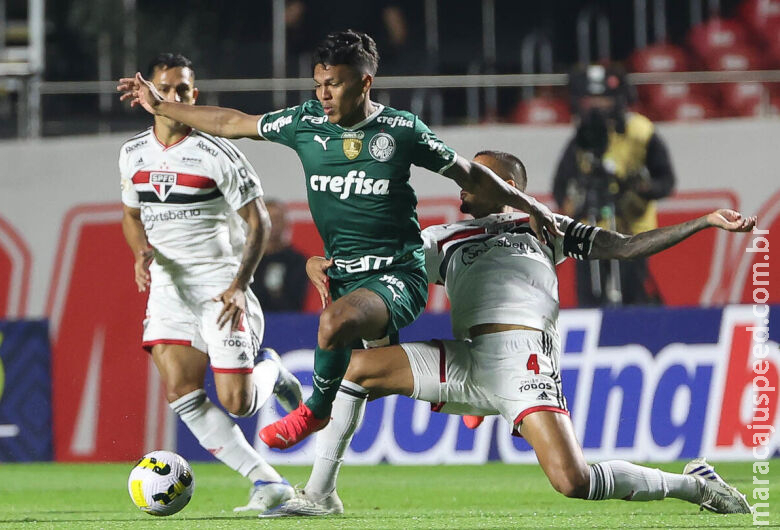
x: 355, y: 183
x: 381, y: 147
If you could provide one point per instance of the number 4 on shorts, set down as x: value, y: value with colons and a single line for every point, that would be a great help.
x: 532, y: 364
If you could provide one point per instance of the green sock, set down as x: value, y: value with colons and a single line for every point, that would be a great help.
x: 329, y: 368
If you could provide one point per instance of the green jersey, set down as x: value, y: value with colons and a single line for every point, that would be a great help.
x: 357, y: 182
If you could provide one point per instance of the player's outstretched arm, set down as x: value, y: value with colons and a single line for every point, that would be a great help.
x: 480, y: 180
x: 219, y: 121
x: 613, y: 245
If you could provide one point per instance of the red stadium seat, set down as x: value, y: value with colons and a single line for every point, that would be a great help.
x: 659, y: 95
x: 659, y: 58
x: 759, y: 15
x: 691, y: 108
x: 742, y: 99
x: 717, y: 34
x: 774, y: 105
x: 740, y: 57
x: 771, y: 38
x: 541, y: 111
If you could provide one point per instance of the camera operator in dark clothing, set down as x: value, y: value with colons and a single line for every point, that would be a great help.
x: 611, y: 173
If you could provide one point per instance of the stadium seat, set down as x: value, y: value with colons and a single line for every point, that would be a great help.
x: 691, y: 108
x: 716, y: 35
x: 659, y: 58
x: 774, y: 105
x: 739, y: 57
x: 771, y: 38
x: 541, y: 111
x: 742, y: 99
x: 759, y: 15
x: 659, y: 95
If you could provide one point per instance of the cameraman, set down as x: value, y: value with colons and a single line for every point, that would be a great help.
x: 611, y: 173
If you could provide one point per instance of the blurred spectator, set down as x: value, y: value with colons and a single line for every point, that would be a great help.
x: 280, y: 279
x: 611, y: 173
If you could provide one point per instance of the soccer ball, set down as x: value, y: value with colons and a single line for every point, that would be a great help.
x: 161, y: 483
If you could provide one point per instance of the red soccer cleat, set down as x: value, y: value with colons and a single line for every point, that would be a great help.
x: 288, y: 431
x: 472, y: 422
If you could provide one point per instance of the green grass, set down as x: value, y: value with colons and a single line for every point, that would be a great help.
x: 448, y: 497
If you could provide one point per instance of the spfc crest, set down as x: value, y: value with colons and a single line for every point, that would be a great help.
x: 352, y: 144
x: 162, y: 183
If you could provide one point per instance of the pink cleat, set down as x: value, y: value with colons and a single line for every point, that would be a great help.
x: 288, y: 431
x: 472, y: 422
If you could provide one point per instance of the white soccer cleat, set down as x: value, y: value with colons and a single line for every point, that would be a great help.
x: 267, y: 495
x: 717, y: 496
x: 287, y: 388
x: 271, y: 377
x: 302, y: 506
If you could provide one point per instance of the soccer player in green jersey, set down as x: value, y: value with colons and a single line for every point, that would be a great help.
x: 356, y: 155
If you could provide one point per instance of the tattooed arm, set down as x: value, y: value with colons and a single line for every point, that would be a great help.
x: 612, y: 245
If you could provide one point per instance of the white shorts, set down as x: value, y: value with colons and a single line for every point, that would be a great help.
x: 188, y: 316
x: 511, y: 373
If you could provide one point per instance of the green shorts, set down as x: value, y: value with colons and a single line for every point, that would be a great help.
x: 404, y: 292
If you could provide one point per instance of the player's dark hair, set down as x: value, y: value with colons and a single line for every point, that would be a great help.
x: 350, y: 47
x: 515, y: 166
x: 167, y: 60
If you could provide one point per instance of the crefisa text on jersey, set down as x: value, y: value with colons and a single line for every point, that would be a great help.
x: 344, y: 185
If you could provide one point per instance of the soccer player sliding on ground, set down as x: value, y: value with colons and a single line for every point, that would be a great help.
x: 503, y: 289
x: 356, y: 155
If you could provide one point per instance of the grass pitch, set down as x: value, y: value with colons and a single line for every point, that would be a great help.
x: 452, y: 497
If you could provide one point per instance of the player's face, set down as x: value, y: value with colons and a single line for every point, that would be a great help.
x: 342, y: 90
x: 477, y: 206
x: 176, y: 84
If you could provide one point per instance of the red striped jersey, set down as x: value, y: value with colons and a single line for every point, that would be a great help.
x: 188, y: 194
x: 496, y: 271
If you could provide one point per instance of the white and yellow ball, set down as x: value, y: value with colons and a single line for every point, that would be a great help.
x: 161, y: 483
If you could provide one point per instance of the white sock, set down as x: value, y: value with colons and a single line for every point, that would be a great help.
x: 333, y: 440
x: 220, y: 436
x: 618, y: 479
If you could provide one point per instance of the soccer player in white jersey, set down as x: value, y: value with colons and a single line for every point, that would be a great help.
x: 503, y: 289
x: 195, y: 220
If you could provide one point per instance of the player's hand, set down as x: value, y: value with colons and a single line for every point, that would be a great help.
x: 541, y: 217
x: 141, y: 267
x: 316, y: 269
x: 140, y: 92
x: 731, y: 220
x: 233, y: 308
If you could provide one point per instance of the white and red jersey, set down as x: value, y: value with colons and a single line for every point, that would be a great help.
x: 188, y: 194
x: 496, y: 271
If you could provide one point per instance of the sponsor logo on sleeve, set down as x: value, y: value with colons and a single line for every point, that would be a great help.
x: 206, y: 147
x: 132, y: 147
x: 277, y: 124
x: 437, y: 146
